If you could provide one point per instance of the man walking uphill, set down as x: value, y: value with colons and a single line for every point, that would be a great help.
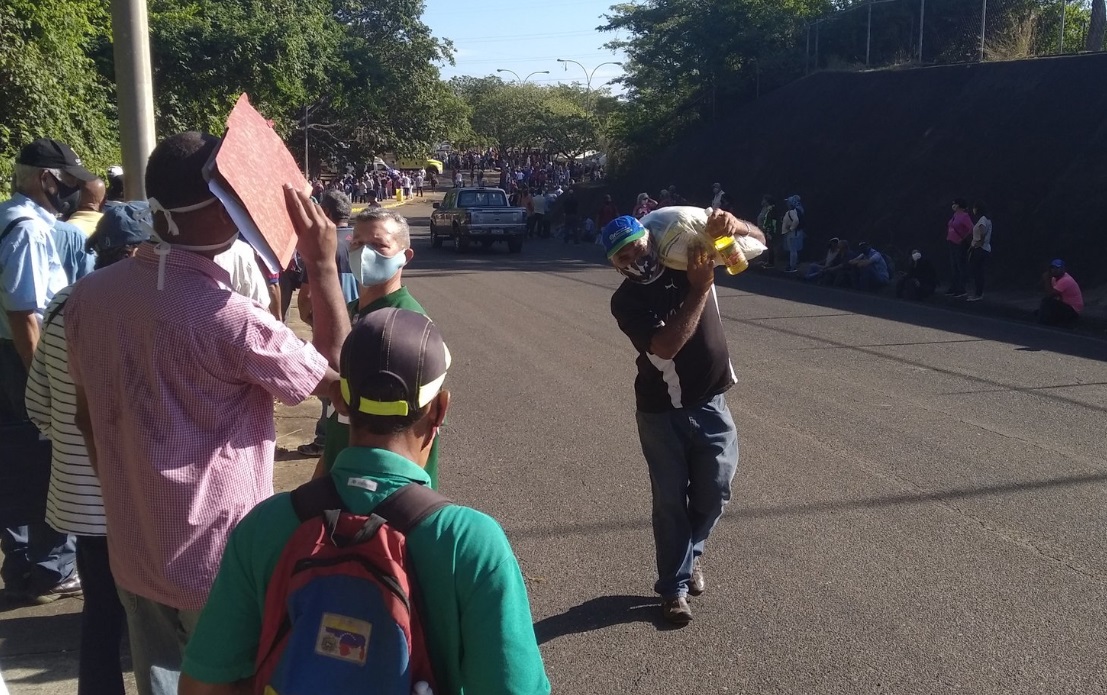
x: 687, y: 434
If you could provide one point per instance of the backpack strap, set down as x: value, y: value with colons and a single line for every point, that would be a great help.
x: 403, y: 510
x: 409, y: 506
x: 316, y: 497
x: 11, y: 226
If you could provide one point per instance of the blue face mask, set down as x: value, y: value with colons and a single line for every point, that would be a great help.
x: 370, y: 268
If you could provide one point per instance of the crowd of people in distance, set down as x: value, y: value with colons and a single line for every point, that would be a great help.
x: 374, y: 185
x: 968, y: 242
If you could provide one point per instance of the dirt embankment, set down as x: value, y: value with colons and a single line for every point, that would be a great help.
x: 879, y: 156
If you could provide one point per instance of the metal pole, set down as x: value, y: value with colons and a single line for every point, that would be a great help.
x: 922, y: 22
x: 307, y: 174
x: 983, y: 26
x: 593, y: 73
x: 817, y: 23
x: 869, y: 35
x: 135, y: 90
x: 1061, y: 41
x: 807, y: 52
x: 586, y: 75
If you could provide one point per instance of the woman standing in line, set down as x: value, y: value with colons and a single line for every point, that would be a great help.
x: 980, y: 249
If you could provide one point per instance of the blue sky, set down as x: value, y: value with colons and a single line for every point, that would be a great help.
x: 525, y: 36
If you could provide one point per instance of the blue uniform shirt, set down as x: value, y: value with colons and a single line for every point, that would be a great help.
x: 31, y: 272
x: 70, y: 243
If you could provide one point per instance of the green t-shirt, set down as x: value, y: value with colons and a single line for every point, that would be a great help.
x: 337, y: 431
x: 473, y: 602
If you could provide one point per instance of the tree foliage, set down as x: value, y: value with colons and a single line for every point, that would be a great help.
x: 691, y: 61
x: 359, y: 76
x: 561, y: 119
x: 49, y: 84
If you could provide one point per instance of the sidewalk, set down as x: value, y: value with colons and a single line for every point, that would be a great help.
x: 393, y: 203
x: 1014, y: 305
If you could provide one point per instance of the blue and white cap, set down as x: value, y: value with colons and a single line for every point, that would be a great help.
x: 619, y: 232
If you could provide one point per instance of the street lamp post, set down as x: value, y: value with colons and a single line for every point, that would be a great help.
x: 588, y: 75
x: 922, y: 23
x: 134, y: 86
x: 1061, y: 41
x: 525, y: 79
x: 983, y: 27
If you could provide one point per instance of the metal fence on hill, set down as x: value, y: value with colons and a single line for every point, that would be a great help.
x: 882, y: 33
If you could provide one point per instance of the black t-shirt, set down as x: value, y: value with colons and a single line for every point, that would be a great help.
x: 699, y: 372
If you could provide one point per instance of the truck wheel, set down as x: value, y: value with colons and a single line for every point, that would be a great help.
x: 514, y: 245
x: 461, y: 244
x: 436, y: 241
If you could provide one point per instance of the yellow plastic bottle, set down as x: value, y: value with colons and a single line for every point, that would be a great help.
x: 731, y: 255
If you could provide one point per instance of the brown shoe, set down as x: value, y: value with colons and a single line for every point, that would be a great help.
x: 698, y: 583
x: 676, y: 611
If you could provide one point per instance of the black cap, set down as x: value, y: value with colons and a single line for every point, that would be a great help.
x: 393, y: 363
x: 120, y: 226
x: 45, y: 153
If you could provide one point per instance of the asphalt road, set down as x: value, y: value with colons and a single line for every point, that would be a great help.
x: 919, y: 506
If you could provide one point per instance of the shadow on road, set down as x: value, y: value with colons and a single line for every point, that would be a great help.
x: 600, y: 613
x: 31, y: 634
x: 831, y: 507
x: 965, y: 319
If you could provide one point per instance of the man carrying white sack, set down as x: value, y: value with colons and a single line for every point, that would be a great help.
x: 688, y: 437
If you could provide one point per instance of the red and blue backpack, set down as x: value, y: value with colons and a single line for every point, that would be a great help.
x: 340, y: 611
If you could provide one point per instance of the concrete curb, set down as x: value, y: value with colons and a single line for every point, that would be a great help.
x: 1092, y: 323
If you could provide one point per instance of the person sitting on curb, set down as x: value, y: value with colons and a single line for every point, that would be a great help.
x: 869, y: 269
x: 920, y: 280
x: 1063, y: 302
x: 464, y: 579
x: 834, y: 258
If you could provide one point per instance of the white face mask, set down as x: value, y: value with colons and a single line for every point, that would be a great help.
x: 163, y: 248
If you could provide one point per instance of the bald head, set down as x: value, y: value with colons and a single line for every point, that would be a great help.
x: 92, y: 195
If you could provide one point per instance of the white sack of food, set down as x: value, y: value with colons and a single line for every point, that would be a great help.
x: 674, y: 228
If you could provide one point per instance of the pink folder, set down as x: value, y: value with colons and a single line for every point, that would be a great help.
x: 251, y: 166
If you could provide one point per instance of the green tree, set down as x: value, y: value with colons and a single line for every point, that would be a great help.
x: 1098, y: 26
x: 206, y: 52
x: 690, y: 61
x: 559, y: 119
x: 49, y: 84
x: 359, y: 77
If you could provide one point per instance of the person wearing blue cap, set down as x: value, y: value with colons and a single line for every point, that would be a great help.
x: 1063, y: 302
x: 74, y: 502
x: 687, y: 434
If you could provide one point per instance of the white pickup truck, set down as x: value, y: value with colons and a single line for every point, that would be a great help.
x: 480, y: 215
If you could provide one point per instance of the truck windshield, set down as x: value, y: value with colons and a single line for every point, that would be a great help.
x: 481, y: 199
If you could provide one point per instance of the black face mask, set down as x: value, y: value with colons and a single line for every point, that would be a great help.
x: 644, y: 270
x: 65, y: 199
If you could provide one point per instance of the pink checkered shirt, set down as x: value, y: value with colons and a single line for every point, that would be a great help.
x: 180, y: 386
